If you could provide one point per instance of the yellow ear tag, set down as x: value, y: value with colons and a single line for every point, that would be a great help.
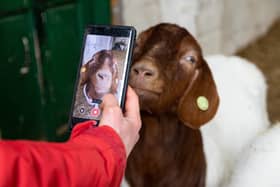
x: 202, y: 103
x: 83, y: 69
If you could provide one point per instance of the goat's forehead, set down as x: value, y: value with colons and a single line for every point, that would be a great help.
x: 166, y: 44
x: 170, y: 53
x: 169, y: 40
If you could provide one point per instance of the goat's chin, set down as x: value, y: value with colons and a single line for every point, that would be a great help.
x: 146, y: 95
x: 148, y: 99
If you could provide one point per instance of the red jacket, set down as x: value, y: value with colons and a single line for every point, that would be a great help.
x: 92, y: 157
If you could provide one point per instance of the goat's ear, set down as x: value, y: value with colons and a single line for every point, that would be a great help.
x: 200, y: 101
x: 83, y: 74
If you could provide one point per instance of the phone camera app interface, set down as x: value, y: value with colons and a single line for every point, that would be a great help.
x: 101, y: 72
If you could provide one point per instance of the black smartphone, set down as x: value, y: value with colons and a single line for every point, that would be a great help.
x: 104, y: 68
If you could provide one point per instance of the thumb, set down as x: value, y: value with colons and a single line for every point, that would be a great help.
x: 109, y: 100
x: 111, y: 112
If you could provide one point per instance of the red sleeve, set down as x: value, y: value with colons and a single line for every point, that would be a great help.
x: 92, y: 157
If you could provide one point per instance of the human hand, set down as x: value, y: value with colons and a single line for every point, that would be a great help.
x: 126, y: 125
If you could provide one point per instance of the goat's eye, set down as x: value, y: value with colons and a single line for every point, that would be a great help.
x: 190, y: 59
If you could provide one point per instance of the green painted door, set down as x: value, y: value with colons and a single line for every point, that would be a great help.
x: 20, y: 94
x: 11, y: 6
x: 61, y: 57
x: 37, y: 92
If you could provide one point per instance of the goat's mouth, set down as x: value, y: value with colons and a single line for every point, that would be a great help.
x: 147, y: 95
x: 146, y: 91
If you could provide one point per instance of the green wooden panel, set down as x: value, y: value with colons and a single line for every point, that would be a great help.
x: 14, y: 5
x: 52, y: 3
x: 93, y: 12
x: 20, y: 110
x: 62, y: 54
x: 60, y: 24
x: 100, y: 11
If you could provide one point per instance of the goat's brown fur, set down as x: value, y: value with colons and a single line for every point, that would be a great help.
x: 168, y: 74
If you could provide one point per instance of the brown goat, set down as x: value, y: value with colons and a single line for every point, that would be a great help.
x: 100, y: 75
x: 169, y: 74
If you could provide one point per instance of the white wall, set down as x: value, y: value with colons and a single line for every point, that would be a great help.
x: 141, y: 13
x: 221, y: 26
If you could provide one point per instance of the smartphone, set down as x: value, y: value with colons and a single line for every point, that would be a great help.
x: 104, y: 68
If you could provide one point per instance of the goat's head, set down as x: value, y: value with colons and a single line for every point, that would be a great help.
x: 100, y: 75
x: 170, y: 75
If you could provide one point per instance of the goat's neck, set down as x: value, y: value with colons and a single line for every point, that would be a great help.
x: 168, y: 153
x: 165, y: 130
x: 159, y: 126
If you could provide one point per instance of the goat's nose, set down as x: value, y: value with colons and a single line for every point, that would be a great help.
x: 144, y: 72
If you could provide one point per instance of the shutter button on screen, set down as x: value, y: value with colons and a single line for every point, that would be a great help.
x: 95, y: 112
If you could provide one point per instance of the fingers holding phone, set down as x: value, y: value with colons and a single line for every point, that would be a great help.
x: 127, y: 125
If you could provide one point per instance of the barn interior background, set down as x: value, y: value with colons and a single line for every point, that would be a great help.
x: 40, y: 44
x: 248, y: 28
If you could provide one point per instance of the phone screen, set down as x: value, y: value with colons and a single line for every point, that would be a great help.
x: 104, y: 66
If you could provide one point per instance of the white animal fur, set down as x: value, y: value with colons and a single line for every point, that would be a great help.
x: 259, y: 164
x: 240, y: 118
